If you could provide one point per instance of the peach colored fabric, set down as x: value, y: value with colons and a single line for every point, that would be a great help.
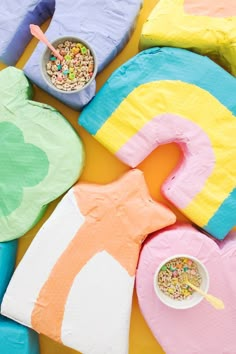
x: 118, y: 217
x: 213, y: 8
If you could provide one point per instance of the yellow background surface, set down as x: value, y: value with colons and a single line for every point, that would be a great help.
x: 102, y: 167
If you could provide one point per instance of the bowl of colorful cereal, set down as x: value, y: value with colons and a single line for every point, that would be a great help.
x: 75, y: 71
x: 170, y: 281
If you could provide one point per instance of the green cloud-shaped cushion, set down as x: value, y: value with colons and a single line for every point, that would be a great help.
x: 41, y: 156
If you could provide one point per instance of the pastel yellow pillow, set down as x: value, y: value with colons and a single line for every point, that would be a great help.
x: 207, y: 27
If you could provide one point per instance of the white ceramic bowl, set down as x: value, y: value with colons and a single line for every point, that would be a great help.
x: 195, y: 298
x: 46, y: 56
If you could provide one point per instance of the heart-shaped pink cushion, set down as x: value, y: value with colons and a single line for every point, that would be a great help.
x: 201, y: 329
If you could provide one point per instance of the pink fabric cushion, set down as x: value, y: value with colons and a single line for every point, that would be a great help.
x: 201, y: 329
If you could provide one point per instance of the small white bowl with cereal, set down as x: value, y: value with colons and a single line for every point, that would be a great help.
x: 77, y: 69
x: 169, y: 281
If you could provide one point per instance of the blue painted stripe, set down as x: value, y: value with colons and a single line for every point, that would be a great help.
x: 224, y: 219
x: 157, y: 64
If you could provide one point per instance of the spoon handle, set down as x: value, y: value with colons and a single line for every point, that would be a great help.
x: 214, y: 301
x: 37, y: 33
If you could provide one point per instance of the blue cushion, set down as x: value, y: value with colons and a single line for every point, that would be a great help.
x: 7, y: 264
x: 17, y: 339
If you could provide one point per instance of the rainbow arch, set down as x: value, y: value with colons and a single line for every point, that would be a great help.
x: 171, y: 95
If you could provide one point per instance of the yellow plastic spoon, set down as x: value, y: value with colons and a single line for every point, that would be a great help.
x: 214, y: 301
x: 38, y: 33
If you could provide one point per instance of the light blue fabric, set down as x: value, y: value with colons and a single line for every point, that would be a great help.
x: 7, y: 263
x: 157, y: 64
x: 17, y: 339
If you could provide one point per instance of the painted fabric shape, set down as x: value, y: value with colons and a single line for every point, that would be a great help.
x: 41, y: 156
x: 201, y: 329
x: 105, y: 24
x: 76, y: 280
x: 165, y: 95
x: 206, y: 27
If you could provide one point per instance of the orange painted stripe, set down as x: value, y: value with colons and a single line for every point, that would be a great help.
x: 118, y: 217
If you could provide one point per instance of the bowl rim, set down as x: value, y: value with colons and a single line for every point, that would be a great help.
x: 194, y: 259
x: 58, y: 40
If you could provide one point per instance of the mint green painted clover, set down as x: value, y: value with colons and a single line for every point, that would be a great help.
x: 41, y: 156
x: 24, y: 165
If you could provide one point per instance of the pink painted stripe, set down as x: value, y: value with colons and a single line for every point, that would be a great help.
x: 198, y: 157
x: 212, y: 8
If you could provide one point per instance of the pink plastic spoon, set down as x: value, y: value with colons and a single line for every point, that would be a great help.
x: 37, y: 32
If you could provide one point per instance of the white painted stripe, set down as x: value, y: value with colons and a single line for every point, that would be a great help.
x: 98, y: 308
x: 36, y: 266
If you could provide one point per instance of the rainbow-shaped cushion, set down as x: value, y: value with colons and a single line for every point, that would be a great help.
x: 172, y: 95
x: 105, y: 24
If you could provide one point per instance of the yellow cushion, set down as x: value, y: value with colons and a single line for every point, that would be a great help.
x: 203, y: 26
